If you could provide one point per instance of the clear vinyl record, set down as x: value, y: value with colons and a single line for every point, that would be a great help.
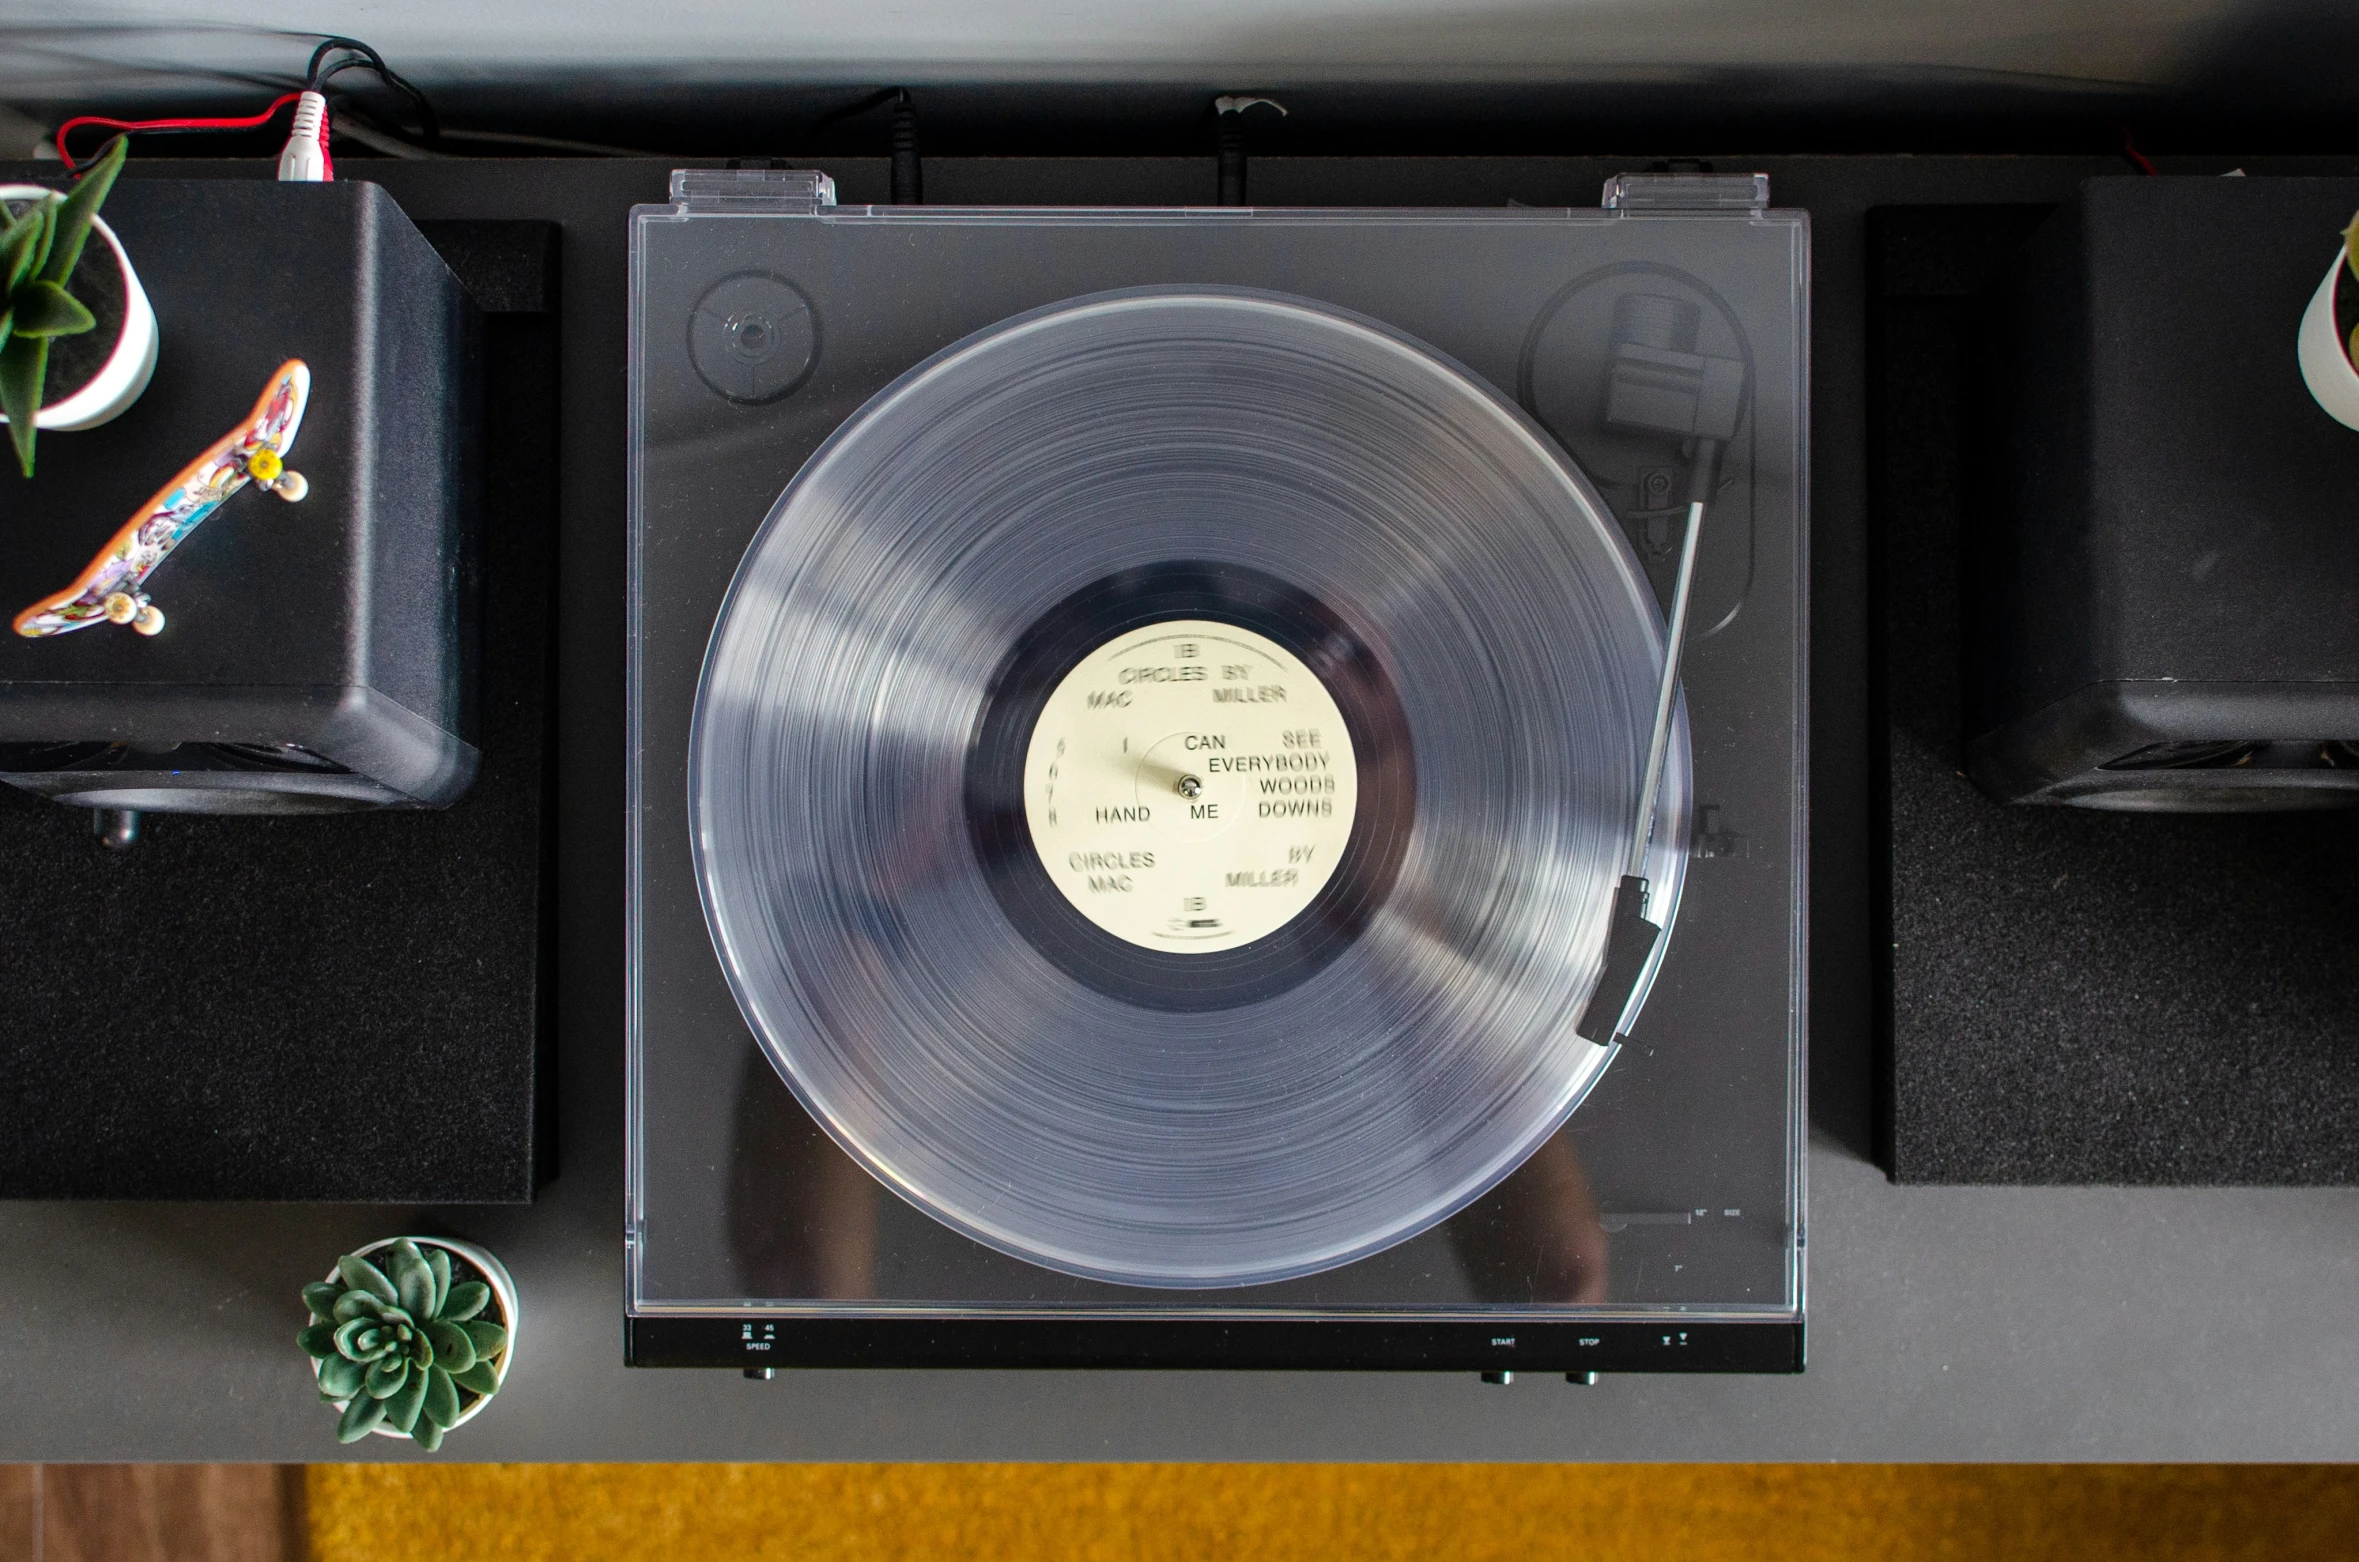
x: 1159, y: 781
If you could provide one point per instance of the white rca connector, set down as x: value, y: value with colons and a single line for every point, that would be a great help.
x: 306, y: 156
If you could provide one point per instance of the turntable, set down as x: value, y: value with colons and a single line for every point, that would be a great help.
x: 1217, y: 787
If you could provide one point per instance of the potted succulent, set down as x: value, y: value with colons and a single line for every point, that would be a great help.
x: 2329, y: 343
x: 77, y: 334
x: 410, y: 1337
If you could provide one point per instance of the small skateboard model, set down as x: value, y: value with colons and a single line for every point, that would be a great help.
x: 111, y: 589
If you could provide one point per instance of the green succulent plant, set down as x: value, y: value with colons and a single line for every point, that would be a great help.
x: 38, y: 252
x: 398, y: 1344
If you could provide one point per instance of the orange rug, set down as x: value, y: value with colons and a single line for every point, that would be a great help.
x: 1467, y: 1513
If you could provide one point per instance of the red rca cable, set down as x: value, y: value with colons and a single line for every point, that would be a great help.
x: 250, y: 122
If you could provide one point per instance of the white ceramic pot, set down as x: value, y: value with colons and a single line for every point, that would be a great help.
x: 503, y: 1293
x: 2326, y: 366
x: 133, y: 362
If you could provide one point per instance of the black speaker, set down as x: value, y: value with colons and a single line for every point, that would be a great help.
x: 311, y: 656
x: 2161, y: 593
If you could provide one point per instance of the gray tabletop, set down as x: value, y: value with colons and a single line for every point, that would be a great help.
x: 1988, y: 1323
x: 1945, y: 1324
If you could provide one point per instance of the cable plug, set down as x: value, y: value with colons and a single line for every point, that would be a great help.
x: 306, y: 155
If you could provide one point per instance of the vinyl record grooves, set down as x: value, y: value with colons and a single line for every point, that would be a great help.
x: 1193, y: 457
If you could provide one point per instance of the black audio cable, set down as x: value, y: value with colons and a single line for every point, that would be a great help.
x: 908, y: 173
x: 1229, y: 120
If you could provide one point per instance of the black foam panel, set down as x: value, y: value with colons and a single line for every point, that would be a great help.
x: 2068, y: 996
x: 343, y: 1007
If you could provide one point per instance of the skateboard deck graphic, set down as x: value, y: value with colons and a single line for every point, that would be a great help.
x: 112, y: 588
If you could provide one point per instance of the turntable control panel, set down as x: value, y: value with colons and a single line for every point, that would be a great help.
x: 1190, y: 786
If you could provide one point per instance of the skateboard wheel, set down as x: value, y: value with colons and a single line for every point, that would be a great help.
x: 120, y: 609
x: 150, y: 619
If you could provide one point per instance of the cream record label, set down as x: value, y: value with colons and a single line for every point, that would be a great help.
x: 1190, y: 786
